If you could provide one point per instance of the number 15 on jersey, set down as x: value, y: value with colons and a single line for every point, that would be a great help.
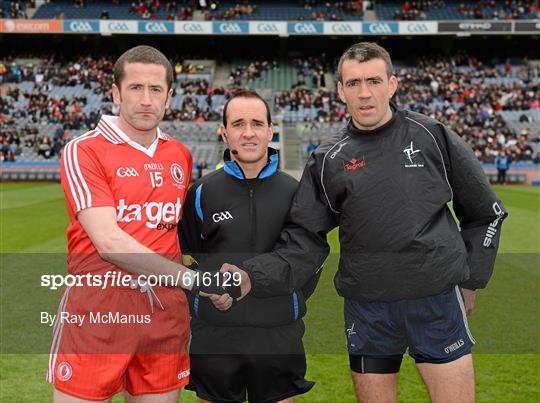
x: 156, y: 178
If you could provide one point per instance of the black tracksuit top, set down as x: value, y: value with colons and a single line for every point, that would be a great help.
x: 387, y: 190
x: 228, y: 219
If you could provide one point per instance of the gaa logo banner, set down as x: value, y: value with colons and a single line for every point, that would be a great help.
x: 380, y: 28
x: 305, y: 28
x: 231, y: 28
x: 193, y: 28
x: 343, y: 28
x: 81, y: 26
x: 418, y: 28
x: 268, y: 28
x: 118, y: 27
x: 154, y: 27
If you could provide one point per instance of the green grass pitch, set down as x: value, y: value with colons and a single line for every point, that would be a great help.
x: 505, y: 324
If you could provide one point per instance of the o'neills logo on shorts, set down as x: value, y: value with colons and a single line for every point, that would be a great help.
x: 154, y: 213
x: 183, y: 374
x: 453, y: 347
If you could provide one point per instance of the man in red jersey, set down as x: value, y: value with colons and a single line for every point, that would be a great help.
x: 125, y: 184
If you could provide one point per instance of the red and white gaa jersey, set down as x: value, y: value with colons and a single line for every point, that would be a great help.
x: 146, y: 186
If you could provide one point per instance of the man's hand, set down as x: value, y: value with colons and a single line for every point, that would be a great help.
x: 245, y: 283
x: 222, y: 302
x: 210, y: 283
x: 470, y: 297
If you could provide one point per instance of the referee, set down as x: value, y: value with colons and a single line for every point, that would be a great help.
x: 255, y: 347
x: 407, y: 273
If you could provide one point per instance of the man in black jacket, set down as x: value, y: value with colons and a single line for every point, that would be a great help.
x: 233, y: 214
x: 407, y: 272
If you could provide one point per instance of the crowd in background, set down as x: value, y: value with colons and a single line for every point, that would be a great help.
x: 249, y: 72
x: 175, y: 10
x: 490, y: 9
x: 321, y: 10
x: 15, y: 9
x: 416, y: 10
x: 462, y: 92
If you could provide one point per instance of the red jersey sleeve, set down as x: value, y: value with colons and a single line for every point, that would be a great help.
x: 84, y: 180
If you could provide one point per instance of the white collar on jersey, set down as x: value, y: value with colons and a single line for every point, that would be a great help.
x: 110, y: 131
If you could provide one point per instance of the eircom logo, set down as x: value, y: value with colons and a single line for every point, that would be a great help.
x: 154, y: 213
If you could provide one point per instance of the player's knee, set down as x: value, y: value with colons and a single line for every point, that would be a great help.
x: 375, y: 365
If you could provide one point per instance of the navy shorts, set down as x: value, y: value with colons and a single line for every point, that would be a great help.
x: 434, y: 329
x: 266, y: 364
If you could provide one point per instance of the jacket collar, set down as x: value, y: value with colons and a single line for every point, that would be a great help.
x: 352, y: 129
x: 232, y: 168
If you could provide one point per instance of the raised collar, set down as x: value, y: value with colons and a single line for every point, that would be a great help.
x: 110, y: 131
x: 381, y: 130
x: 232, y: 168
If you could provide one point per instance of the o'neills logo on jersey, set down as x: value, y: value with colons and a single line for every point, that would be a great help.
x: 154, y: 213
x: 153, y: 167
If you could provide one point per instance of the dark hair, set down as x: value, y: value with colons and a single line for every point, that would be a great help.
x: 363, y: 52
x: 245, y: 93
x: 142, y: 54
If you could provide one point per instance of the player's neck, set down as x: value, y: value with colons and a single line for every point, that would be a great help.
x: 143, y: 137
x: 252, y: 169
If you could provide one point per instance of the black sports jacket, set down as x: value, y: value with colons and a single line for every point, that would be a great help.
x: 228, y: 218
x: 388, y: 190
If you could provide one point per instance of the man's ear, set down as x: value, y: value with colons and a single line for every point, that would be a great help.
x: 169, y: 97
x: 393, y: 84
x: 340, y: 92
x: 223, y: 133
x: 117, y: 98
x: 270, y: 132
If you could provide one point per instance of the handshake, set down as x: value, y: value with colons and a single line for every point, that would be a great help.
x: 224, y: 287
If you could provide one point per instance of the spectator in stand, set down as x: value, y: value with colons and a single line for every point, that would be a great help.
x: 200, y: 167
x: 502, y: 163
x: 3, y: 72
x: 511, y: 10
x: 463, y: 92
x: 251, y: 72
